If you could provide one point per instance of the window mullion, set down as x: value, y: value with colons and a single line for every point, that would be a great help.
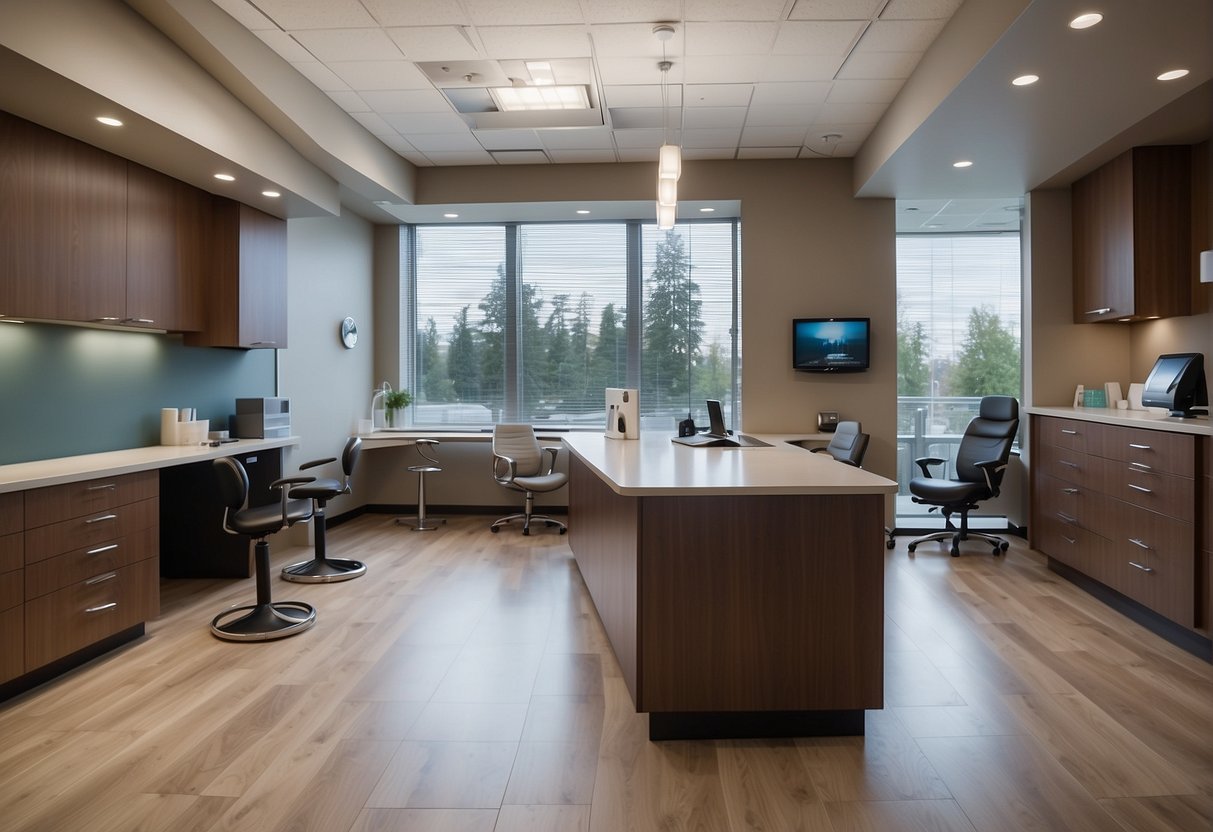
x: 635, y: 302
x: 513, y: 319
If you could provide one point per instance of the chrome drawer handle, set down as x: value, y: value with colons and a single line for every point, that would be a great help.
x: 1101, y: 311
x: 1140, y: 447
x: 1140, y: 465
x: 263, y: 343
x: 109, y: 486
x: 100, y: 579
x: 1068, y: 539
x: 138, y: 321
x: 1068, y: 464
x: 1139, y: 566
x: 1070, y: 432
x: 1140, y: 488
x: 1069, y: 491
x: 112, y: 605
x: 101, y: 549
x: 1065, y: 518
x: 1137, y: 542
x: 101, y: 518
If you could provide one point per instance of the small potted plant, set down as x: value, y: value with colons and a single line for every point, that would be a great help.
x: 393, y: 402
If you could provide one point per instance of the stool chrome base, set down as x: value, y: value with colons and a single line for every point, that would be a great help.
x: 264, y: 622
x: 323, y: 570
x: 422, y: 523
x: 528, y: 520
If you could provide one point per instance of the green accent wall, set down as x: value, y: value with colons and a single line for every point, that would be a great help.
x: 68, y: 390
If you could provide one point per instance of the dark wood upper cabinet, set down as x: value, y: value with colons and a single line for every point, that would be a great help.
x: 1131, y: 237
x: 62, y: 226
x: 246, y: 286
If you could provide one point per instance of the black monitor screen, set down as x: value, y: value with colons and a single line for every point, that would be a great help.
x: 1177, y: 383
x: 830, y: 344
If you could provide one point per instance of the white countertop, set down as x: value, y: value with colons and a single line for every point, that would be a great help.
x: 43, y: 472
x: 1127, y: 418
x: 655, y: 466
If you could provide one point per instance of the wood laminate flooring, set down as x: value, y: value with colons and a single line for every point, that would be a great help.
x: 465, y: 685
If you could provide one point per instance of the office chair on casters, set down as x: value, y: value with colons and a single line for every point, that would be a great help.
x: 980, y: 462
x: 267, y: 619
x: 848, y: 444
x: 518, y: 463
x: 322, y: 569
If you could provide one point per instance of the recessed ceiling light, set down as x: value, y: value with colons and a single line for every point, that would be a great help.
x: 271, y: 194
x: 582, y: 211
x: 225, y: 177
x: 1086, y: 21
x: 706, y: 210
x: 1172, y: 74
x: 911, y: 208
x: 963, y: 163
x: 109, y: 121
x: 451, y: 216
x: 1024, y: 80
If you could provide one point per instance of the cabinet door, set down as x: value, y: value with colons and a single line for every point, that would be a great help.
x: 1102, y: 215
x: 62, y: 226
x: 166, y: 220
x: 262, y: 279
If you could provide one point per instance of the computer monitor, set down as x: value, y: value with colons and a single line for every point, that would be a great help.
x: 716, y: 425
x: 1177, y: 383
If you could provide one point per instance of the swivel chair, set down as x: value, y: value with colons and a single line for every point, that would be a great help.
x: 321, y: 569
x: 518, y: 463
x: 267, y: 619
x: 422, y: 522
x: 980, y: 462
x: 848, y: 445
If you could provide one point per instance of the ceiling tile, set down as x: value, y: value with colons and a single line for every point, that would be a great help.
x: 800, y: 92
x: 872, y: 92
x: 816, y: 37
x: 417, y: 158
x: 849, y: 132
x: 434, y: 43
x: 733, y: 10
x: 633, y: 40
x: 330, y: 45
x: 381, y: 75
x: 410, y: 123
x: 637, y: 154
x: 866, y: 65
x: 416, y: 12
x: 736, y: 38
x: 582, y: 156
x: 834, y: 9
x: 316, y: 14
x: 397, y: 143
x: 801, y: 68
x: 719, y: 95
x: 778, y: 136
x: 246, y: 14
x: 724, y: 69
x: 639, y: 139
x: 406, y: 101
x: 521, y: 157
x: 285, y: 45
x: 426, y: 142
x: 633, y: 11
x: 508, y: 139
x: 920, y: 9
x: 535, y: 42
x: 711, y: 153
x: 532, y: 12
x: 596, y: 138
x: 626, y: 118
x: 711, y: 138
x: 460, y: 157
x: 901, y: 35
x: 847, y: 113
x: 623, y: 71
x: 768, y: 152
x: 712, y: 117
x: 351, y: 102
x: 375, y: 123
x: 792, y: 114
x: 320, y: 75
x: 641, y: 95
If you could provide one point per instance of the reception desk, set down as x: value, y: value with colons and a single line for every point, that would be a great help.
x: 742, y: 589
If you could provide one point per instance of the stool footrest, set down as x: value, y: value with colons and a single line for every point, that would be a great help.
x: 323, y: 570
x: 263, y: 622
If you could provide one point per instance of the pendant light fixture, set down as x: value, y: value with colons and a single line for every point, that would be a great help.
x: 669, y: 157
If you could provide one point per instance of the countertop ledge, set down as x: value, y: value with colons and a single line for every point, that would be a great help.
x: 21, y: 476
x: 1127, y: 419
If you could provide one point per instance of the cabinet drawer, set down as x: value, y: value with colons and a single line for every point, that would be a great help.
x: 1073, y: 467
x: 51, y: 574
x: 77, y: 499
x: 12, y: 552
x: 1071, y: 434
x: 1166, y: 494
x: 1072, y: 545
x: 1160, y: 555
x: 12, y: 512
x: 11, y: 594
x: 81, y: 614
x: 91, y: 530
x: 1206, y: 516
x: 1151, y: 450
x: 12, y: 643
x: 1071, y: 504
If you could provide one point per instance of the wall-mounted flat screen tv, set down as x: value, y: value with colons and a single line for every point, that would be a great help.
x: 831, y: 345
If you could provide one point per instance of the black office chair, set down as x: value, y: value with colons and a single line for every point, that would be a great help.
x: 518, y: 464
x: 848, y: 445
x: 321, y: 569
x: 980, y: 462
x: 267, y: 619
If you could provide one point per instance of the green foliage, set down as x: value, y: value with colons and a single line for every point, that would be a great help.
x: 397, y: 399
x: 913, y: 354
x: 988, y: 363
x: 462, y: 365
x: 673, y: 327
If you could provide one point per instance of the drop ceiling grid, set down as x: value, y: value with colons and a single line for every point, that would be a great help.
x: 761, y: 78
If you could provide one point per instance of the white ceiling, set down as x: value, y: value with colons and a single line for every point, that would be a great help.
x: 760, y: 78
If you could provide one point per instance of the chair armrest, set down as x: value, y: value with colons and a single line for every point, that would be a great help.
x: 988, y: 468
x: 552, y: 451
x: 511, y: 467
x: 316, y: 462
x: 426, y: 441
x: 923, y: 461
x: 291, y: 481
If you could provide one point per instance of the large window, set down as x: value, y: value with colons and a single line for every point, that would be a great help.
x: 530, y: 321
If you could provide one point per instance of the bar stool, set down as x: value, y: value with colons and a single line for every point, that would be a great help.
x: 321, y: 569
x: 420, y: 522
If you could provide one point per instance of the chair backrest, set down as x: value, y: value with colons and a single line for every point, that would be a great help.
x: 349, y: 456
x: 988, y: 437
x: 233, y: 482
x: 849, y: 443
x: 518, y: 442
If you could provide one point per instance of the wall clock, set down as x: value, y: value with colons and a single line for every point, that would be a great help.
x: 349, y: 333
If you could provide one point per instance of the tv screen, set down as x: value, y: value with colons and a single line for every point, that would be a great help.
x: 830, y: 345
x: 1177, y: 383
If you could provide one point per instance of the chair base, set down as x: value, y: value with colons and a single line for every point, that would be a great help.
x: 527, y: 520
x: 323, y: 571
x: 956, y: 535
x: 264, y: 622
x: 421, y: 524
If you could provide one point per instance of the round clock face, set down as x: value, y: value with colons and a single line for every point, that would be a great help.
x: 349, y: 333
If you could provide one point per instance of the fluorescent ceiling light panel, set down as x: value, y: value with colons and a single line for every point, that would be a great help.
x: 512, y: 99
